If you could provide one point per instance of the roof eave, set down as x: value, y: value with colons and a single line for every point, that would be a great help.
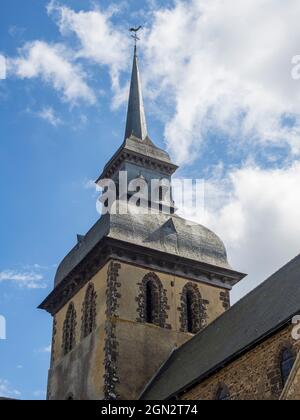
x: 118, y: 155
x: 229, y: 276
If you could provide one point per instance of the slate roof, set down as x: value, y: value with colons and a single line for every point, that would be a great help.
x: 254, y: 317
x: 146, y: 149
x: 136, y: 120
x: 162, y: 232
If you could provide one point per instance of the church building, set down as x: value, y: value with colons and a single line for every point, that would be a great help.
x: 141, y: 305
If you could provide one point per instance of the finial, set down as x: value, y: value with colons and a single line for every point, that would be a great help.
x: 134, y: 36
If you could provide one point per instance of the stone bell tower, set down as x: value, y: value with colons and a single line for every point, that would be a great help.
x: 136, y: 286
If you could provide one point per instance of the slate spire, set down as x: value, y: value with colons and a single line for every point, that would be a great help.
x: 136, y: 120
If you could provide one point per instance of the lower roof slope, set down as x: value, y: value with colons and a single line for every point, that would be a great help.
x: 255, y: 316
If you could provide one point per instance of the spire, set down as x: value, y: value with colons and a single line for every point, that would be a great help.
x: 136, y: 121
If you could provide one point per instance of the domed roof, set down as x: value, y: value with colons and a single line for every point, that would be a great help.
x: 166, y: 233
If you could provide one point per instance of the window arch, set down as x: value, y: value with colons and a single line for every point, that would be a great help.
x: 287, y: 360
x: 152, y: 301
x: 222, y: 393
x: 193, y: 309
x: 69, y: 330
x: 89, y: 311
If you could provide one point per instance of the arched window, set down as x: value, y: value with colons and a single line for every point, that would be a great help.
x: 193, y: 309
x: 150, y: 306
x: 222, y: 393
x: 69, y: 330
x: 190, y: 298
x: 287, y: 361
x: 89, y: 312
x: 152, y: 301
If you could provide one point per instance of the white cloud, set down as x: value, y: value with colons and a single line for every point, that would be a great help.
x: 48, y: 114
x: 54, y: 65
x: 256, y: 212
x: 46, y: 349
x: 39, y: 394
x: 227, y: 67
x: 27, y: 279
x: 201, y: 59
x: 6, y: 390
x: 100, y: 40
x: 203, y: 63
x: 90, y: 184
x: 39, y: 267
x: 16, y: 31
x: 2, y: 67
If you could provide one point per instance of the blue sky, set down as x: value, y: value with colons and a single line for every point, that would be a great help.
x: 44, y: 201
x: 231, y: 118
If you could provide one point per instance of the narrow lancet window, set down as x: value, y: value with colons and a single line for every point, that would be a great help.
x: 287, y: 361
x: 69, y: 330
x: 89, y: 311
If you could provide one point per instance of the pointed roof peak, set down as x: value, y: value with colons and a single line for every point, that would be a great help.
x: 136, y: 124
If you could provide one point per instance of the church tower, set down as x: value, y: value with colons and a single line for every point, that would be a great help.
x: 137, y: 285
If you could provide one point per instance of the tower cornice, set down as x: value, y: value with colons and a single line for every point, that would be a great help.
x: 146, y: 157
x: 111, y: 249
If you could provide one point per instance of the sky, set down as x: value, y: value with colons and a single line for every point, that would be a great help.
x: 221, y: 87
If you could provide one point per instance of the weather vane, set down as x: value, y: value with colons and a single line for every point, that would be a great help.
x: 135, y: 36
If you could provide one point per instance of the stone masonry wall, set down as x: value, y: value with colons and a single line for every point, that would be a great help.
x: 141, y: 348
x: 123, y: 352
x: 254, y: 376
